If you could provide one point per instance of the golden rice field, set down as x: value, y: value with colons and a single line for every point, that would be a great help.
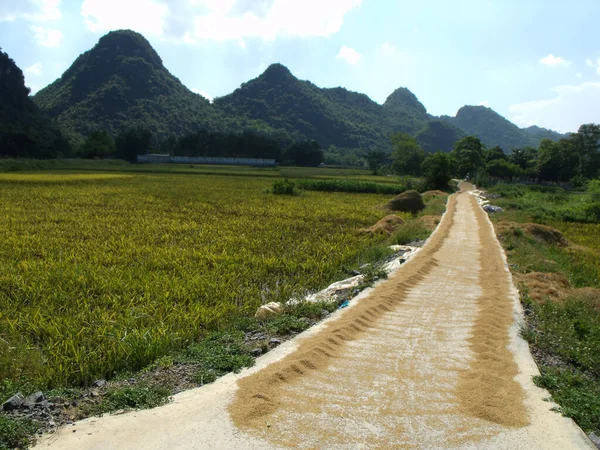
x: 101, y: 273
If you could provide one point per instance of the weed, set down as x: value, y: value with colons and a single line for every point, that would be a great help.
x: 16, y: 433
x: 409, y: 232
x: 141, y: 396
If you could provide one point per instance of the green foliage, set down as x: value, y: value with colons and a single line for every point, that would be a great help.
x: 132, y: 142
x: 410, y: 231
x: 375, y: 159
x: 494, y: 153
x: 468, y: 156
x: 284, y: 187
x: 437, y: 170
x: 577, y: 394
x: 493, y: 129
x: 24, y: 130
x: 565, y: 333
x: 408, y: 155
x: 501, y: 168
x: 140, y: 396
x: 303, y: 154
x: 248, y: 144
x: 219, y: 353
x: 438, y: 136
x: 16, y: 433
x: 98, y: 145
x: 354, y: 186
x: 120, y: 84
x: 570, y: 332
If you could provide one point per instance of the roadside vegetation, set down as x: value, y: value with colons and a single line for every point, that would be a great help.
x: 557, y: 268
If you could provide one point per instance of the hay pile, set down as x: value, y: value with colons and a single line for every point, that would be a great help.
x: 387, y: 225
x: 543, y: 286
x: 543, y: 233
x: 409, y: 201
x: 546, y: 234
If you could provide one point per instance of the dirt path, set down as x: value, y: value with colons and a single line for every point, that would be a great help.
x: 428, y: 359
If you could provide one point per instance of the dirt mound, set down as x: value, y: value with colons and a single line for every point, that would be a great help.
x: 409, y: 201
x: 435, y: 194
x: 387, y: 225
x: 541, y: 286
x: 431, y: 222
x: 544, y: 233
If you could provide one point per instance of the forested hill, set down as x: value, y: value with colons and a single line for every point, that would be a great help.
x: 24, y: 130
x: 493, y: 129
x: 333, y: 116
x: 121, y: 83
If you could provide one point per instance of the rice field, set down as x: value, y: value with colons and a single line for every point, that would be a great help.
x: 106, y: 272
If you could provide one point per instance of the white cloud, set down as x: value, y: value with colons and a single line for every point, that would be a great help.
x: 30, y: 10
x: 47, y: 37
x: 552, y: 60
x: 593, y: 65
x: 386, y: 47
x: 485, y: 103
x: 191, y: 21
x: 206, y: 95
x: 349, y: 55
x: 579, y: 75
x: 572, y: 106
x: 144, y: 16
x: 35, y: 70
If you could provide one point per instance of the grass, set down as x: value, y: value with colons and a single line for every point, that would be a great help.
x: 563, y: 332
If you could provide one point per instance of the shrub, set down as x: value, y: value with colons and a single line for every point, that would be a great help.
x: 352, y: 186
x: 285, y: 187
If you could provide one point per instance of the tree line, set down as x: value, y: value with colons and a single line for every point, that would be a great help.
x: 248, y: 144
x: 573, y: 159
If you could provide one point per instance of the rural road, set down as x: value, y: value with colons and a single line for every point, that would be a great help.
x: 430, y: 358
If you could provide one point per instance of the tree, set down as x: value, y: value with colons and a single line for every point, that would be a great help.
x: 468, y: 156
x: 437, y: 169
x: 99, y: 144
x: 550, y: 160
x: 304, y: 154
x: 132, y: 142
x: 375, y: 159
x: 586, y: 143
x: 501, y: 168
x: 494, y: 153
x: 408, y: 156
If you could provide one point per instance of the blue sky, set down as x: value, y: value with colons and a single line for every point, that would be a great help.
x: 535, y: 62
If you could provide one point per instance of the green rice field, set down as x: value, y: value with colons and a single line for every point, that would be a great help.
x: 103, y: 270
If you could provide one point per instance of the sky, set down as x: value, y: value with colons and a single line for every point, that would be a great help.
x: 536, y: 62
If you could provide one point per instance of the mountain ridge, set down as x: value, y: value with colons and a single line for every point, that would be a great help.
x: 122, y: 82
